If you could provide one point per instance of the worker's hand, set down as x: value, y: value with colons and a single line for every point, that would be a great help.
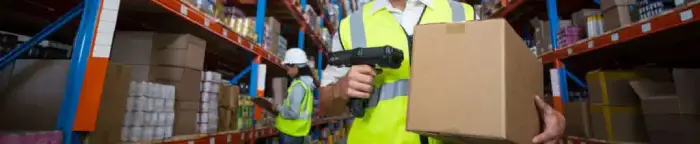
x: 359, y: 81
x: 554, y: 123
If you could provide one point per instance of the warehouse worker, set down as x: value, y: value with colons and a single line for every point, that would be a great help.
x: 294, y: 119
x: 391, y: 22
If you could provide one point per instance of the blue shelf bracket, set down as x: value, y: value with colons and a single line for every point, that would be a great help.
x: 260, y: 20
x: 41, y: 36
x: 302, y: 35
x: 238, y: 77
x: 81, y: 52
x: 553, y: 15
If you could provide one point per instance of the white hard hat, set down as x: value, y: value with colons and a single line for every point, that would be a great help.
x: 295, y: 56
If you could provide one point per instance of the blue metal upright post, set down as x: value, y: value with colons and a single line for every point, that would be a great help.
x: 74, y: 84
x: 300, y: 43
x: 260, y: 20
x: 553, y: 15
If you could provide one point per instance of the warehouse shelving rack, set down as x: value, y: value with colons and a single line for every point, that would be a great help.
x: 92, y: 48
x: 559, y: 76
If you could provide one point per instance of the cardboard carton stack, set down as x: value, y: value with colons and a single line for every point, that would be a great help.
x: 578, y: 121
x: 149, y: 112
x: 488, y: 94
x: 618, y: 13
x: 272, y: 35
x: 208, y: 116
x: 172, y: 59
x: 614, y: 112
x: 671, y: 107
x: 228, y: 102
x: 542, y: 39
x: 583, y: 19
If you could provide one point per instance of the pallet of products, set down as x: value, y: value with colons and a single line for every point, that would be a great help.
x: 245, y: 112
x: 282, y: 47
x: 651, y: 8
x: 670, y: 105
x: 272, y: 35
x: 149, y: 112
x: 208, y: 115
x: 568, y: 35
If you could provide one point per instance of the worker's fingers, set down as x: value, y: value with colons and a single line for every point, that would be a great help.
x: 362, y: 78
x: 352, y: 93
x: 543, y: 106
x: 364, y: 69
x: 363, y: 87
x: 546, y: 136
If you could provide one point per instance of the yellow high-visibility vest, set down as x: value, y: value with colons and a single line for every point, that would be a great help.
x: 385, y: 120
x: 297, y: 127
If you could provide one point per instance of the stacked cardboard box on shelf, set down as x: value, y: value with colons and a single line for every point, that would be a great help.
x: 670, y: 107
x: 614, y: 107
x: 618, y: 13
x: 208, y: 116
x: 228, y: 102
x: 581, y: 19
x: 542, y: 39
x: 272, y: 35
x: 172, y: 59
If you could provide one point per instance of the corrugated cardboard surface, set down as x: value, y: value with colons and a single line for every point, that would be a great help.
x: 616, y: 123
x: 616, y: 17
x: 612, y: 88
x: 607, y: 4
x: 133, y: 48
x: 191, y: 56
x: 112, y: 105
x: 687, y: 83
x: 185, y: 122
x: 488, y: 89
x: 579, y: 18
x: 33, y: 94
x: 186, y: 81
x: 279, y: 89
x: 577, y: 119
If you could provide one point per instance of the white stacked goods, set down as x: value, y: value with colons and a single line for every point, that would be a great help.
x: 149, y: 112
x: 208, y: 115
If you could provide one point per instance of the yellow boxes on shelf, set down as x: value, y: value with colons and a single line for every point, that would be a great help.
x: 612, y: 88
x: 618, y: 123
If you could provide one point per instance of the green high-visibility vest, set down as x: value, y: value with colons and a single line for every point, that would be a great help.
x: 297, y: 127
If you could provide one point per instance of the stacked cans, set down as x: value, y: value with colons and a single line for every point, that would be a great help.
x: 568, y: 35
x: 149, y: 112
x: 208, y: 116
x: 651, y: 8
x: 594, y: 25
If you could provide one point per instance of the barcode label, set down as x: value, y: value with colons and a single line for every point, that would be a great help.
x: 569, y: 51
x: 646, y: 27
x: 183, y: 9
x: 206, y: 22
x: 686, y: 15
x: 614, y: 37
x: 590, y: 44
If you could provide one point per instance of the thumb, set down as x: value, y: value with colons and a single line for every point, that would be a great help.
x: 541, y: 104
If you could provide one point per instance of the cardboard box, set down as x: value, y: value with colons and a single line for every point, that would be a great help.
x: 577, y: 119
x: 185, y: 122
x: 279, y: 89
x: 687, y: 81
x: 187, y: 105
x: 186, y: 81
x: 110, y: 116
x: 612, y: 88
x: 579, y: 18
x: 133, y: 48
x: 608, y: 4
x: 618, y: 123
x: 616, y: 17
x: 181, y: 50
x: 489, y: 93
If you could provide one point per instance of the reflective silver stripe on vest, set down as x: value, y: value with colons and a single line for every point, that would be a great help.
x: 389, y: 91
x: 457, y: 11
x: 357, y: 30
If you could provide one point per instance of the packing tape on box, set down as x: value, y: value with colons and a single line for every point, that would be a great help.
x: 607, y: 111
x: 611, y: 75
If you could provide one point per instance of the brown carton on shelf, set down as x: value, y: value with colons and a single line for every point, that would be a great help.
x: 110, y: 116
x: 181, y: 50
x: 616, y: 13
x: 578, y: 120
x: 187, y: 81
x: 133, y: 48
x: 617, y: 123
x: 612, y: 88
x: 485, y: 95
x: 185, y: 122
